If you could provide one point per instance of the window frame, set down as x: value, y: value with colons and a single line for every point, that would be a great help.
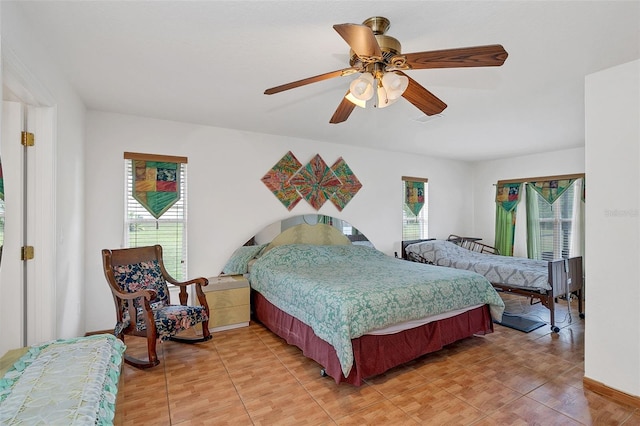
x: 561, y: 239
x: 577, y: 196
x: 175, y: 255
x: 422, y: 218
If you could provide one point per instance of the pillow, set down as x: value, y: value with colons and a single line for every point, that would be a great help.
x: 238, y: 264
x: 319, y: 234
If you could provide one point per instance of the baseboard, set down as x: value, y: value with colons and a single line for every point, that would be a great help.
x: 614, y: 394
x: 229, y: 327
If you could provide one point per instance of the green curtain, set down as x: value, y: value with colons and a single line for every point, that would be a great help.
x: 533, y: 224
x: 505, y: 231
x: 507, y: 198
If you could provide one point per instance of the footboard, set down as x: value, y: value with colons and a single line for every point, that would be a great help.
x: 565, y: 275
x: 566, y: 278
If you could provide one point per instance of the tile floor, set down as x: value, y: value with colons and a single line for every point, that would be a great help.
x: 248, y: 376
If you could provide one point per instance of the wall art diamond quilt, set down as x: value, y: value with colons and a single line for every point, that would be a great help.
x: 316, y: 182
x: 349, y: 187
x: 277, y: 180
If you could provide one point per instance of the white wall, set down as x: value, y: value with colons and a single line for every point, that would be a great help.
x: 228, y: 203
x: 612, y: 336
x: 487, y: 173
x: 68, y: 216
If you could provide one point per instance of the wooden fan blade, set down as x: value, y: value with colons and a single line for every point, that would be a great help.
x: 315, y: 79
x: 480, y: 56
x: 343, y: 111
x: 423, y: 99
x: 361, y: 40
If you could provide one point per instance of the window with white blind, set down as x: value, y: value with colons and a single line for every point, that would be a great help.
x: 557, y: 224
x: 414, y: 226
x: 170, y: 230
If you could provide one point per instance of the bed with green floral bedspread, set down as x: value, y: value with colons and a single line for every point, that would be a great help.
x: 345, y: 291
x: 63, y: 382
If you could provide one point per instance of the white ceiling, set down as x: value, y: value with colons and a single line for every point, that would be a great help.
x: 209, y: 62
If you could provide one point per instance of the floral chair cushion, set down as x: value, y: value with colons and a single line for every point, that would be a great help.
x: 169, y: 319
x: 143, y: 276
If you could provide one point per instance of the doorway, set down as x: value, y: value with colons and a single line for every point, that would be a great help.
x: 27, y: 287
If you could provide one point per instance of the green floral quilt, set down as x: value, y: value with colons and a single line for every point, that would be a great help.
x: 63, y: 382
x: 343, y: 292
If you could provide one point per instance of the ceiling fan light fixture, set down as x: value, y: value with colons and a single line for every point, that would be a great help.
x: 381, y: 66
x: 356, y: 101
x: 383, y: 98
x: 362, y: 87
x: 394, y: 84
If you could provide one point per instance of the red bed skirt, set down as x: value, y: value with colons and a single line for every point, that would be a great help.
x: 373, y: 354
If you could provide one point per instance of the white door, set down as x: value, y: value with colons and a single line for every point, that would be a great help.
x: 27, y: 293
x: 11, y: 266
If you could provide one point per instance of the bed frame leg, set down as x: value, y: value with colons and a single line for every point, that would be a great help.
x: 552, y: 316
x: 580, y: 304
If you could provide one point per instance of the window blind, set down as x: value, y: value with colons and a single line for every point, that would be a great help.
x: 556, y: 223
x: 170, y: 230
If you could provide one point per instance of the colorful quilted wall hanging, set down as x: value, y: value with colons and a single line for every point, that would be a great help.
x: 277, y: 180
x: 414, y: 196
x: 156, y: 181
x: 551, y: 190
x: 508, y: 195
x: 316, y: 182
x: 349, y: 187
x: 156, y: 185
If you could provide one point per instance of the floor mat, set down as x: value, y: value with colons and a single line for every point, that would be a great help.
x: 519, y: 323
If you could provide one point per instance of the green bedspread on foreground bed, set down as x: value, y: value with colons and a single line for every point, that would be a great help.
x: 343, y: 292
x: 63, y: 382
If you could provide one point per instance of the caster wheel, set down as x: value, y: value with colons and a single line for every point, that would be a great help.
x: 323, y: 372
x: 555, y: 329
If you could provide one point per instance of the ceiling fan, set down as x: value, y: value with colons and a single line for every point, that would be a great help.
x: 378, y: 58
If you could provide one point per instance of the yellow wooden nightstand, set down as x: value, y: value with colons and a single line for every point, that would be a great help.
x: 228, y: 300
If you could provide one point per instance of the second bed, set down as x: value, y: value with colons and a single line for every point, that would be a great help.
x: 536, y: 279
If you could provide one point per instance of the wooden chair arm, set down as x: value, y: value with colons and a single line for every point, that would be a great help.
x: 200, y: 280
x: 184, y: 297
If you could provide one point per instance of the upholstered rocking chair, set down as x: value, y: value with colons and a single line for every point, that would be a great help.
x: 138, y: 281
